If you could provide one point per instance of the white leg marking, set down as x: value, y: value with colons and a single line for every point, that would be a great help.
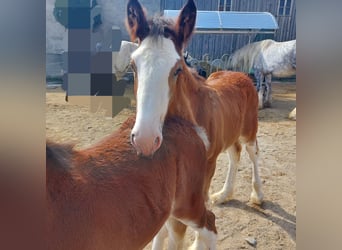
x: 158, y: 240
x: 226, y: 192
x: 205, y: 239
x: 253, y: 152
x: 174, y: 241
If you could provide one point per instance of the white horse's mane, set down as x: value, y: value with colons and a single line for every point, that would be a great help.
x: 243, y: 59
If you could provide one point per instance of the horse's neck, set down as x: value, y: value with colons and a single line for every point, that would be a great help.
x: 182, y: 103
x: 58, y: 183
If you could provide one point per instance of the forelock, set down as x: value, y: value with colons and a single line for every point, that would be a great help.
x: 161, y: 27
x: 157, y: 25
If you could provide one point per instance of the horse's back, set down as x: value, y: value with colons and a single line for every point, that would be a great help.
x: 234, y: 108
x: 280, y: 49
x: 232, y: 84
x: 278, y: 59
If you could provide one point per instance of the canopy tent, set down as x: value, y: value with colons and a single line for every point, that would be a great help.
x: 231, y: 22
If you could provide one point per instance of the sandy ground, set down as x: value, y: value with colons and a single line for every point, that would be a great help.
x: 273, y: 224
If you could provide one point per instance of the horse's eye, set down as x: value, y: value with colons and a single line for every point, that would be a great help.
x: 178, y: 70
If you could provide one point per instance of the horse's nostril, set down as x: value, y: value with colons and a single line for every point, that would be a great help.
x: 157, y: 141
x: 132, y: 138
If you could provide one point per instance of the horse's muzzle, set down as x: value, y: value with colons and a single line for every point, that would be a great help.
x: 144, y: 146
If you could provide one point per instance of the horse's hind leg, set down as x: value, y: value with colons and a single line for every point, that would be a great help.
x: 268, y: 94
x: 260, y: 88
x: 253, y: 152
x: 226, y: 192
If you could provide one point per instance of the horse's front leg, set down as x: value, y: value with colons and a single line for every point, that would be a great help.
x: 174, y: 230
x: 206, y: 236
x: 226, y: 193
x: 158, y: 240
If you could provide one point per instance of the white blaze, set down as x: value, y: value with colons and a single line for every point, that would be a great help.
x: 154, y: 59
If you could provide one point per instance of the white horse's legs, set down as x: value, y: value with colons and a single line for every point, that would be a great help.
x: 226, y: 192
x: 158, y: 240
x: 260, y: 88
x: 268, y: 95
x: 261, y: 97
x: 253, y: 152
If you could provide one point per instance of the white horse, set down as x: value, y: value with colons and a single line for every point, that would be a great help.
x: 266, y: 58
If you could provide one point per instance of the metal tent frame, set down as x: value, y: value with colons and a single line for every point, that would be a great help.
x: 230, y: 22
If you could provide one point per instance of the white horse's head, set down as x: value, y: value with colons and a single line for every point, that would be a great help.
x: 156, y: 65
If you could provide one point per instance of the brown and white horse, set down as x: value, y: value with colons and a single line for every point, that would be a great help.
x: 107, y: 197
x: 226, y: 104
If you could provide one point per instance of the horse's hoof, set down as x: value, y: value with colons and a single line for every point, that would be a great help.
x: 292, y: 115
x: 267, y: 104
x: 257, y: 199
x: 220, y: 198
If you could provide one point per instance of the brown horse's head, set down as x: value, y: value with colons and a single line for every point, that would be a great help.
x: 157, y: 64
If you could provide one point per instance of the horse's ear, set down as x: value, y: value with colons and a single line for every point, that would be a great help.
x: 186, y: 22
x: 136, y: 21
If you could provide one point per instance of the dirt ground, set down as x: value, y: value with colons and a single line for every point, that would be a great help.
x: 273, y: 224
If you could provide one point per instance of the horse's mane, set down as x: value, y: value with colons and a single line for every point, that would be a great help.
x: 159, y: 27
x: 243, y: 59
x: 60, y: 154
x: 198, y: 78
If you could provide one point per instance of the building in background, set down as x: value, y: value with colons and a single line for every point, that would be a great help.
x: 113, y: 14
x: 218, y: 44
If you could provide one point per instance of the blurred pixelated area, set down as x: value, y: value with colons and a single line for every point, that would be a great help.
x: 81, y: 54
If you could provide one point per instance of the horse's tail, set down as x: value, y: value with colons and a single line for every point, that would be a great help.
x: 243, y: 59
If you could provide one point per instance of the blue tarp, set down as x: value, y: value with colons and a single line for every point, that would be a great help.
x: 231, y: 21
